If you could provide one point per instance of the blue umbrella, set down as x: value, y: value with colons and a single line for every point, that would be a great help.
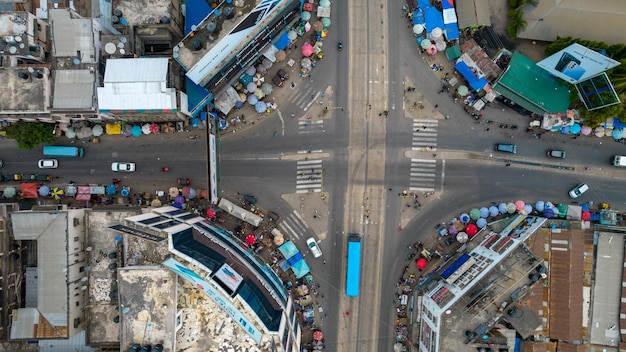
x: 44, y: 191
x: 584, y: 206
x: 484, y: 212
x: 177, y: 205
x: 464, y: 218
x: 136, y: 131
x: 238, y: 104
x: 617, y: 133
x: 481, y: 223
x: 493, y: 211
x: 548, y: 213
x: 179, y: 199
x: 574, y: 129
x: 124, y: 192
x: 565, y: 129
x: 528, y: 208
x: 502, y: 208
x: 260, y: 107
x: 253, y: 99
x: 110, y: 189
x: 540, y: 205
x: 192, y: 193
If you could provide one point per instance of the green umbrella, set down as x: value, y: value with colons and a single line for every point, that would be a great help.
x: 326, y: 21
x: 306, y: 15
x: 474, y: 214
x: 562, y: 207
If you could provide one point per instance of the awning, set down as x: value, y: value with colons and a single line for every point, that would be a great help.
x: 288, y: 249
x: 474, y: 82
x: 453, y: 52
x: 282, y: 42
x: 84, y: 193
x: 29, y: 190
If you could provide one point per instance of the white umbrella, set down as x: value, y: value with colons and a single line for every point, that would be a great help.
x: 267, y: 88
x: 251, y: 71
x: 97, y: 130
x: 426, y: 44
x: 145, y: 128
x: 70, y: 133
x: 462, y: 90
x: 418, y: 29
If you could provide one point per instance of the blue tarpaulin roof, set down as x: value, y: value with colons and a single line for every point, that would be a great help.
x: 452, y: 31
x: 300, y: 269
x: 418, y: 16
x: 450, y: 20
x: 288, y: 249
x: 197, y: 97
x: 197, y: 10
x: 474, y: 82
x: 296, y: 258
x: 434, y: 19
x: 282, y: 41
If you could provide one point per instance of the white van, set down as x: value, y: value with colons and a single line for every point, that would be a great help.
x: 619, y: 161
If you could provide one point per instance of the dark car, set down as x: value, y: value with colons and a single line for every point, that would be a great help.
x: 184, y: 181
x: 277, y: 81
x: 282, y: 74
x: 273, y: 216
x: 449, y: 241
x: 249, y: 199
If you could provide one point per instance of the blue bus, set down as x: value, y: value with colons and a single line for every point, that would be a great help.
x: 58, y: 150
x: 353, y: 269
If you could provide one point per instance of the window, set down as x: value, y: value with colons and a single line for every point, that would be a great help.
x: 76, y: 239
x: 76, y: 323
x: 82, y: 269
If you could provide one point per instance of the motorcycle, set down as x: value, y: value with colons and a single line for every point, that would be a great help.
x: 339, y: 46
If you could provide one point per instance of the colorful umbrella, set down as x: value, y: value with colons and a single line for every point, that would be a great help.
x: 307, y: 49
x: 464, y: 218
x: 317, y: 26
x: 281, y: 55
x: 266, y: 88
x: 453, y: 230
x: 125, y: 192
x: 179, y: 200
x: 210, y: 213
x: 502, y: 208
x: 154, y: 128
x: 44, y: 191
x: 471, y: 230
x: 192, y: 193
x: 292, y: 35
x: 251, y: 71
x: 418, y: 28
x: 474, y: 214
x: 173, y: 192
x: 482, y: 222
x: 326, y: 21
x: 318, y: 335
x: 110, y: 189
x: 57, y: 193
x: 586, y: 130
x: 431, y: 50
x: 324, y: 3
x: 421, y: 263
x: 519, y: 205
x: 250, y: 240
x: 135, y: 131
x: 575, y: 129
x: 617, y: 133
x: 462, y: 237
x: 9, y: 192
x: 185, y: 191
x: 585, y: 216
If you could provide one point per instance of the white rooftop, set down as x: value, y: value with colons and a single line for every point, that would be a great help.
x: 136, y: 84
x: 72, y: 37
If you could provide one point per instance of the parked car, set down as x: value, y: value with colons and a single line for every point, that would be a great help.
x: 506, y: 148
x: 552, y: 153
x: 249, y: 199
x: 278, y: 81
x: 449, y: 241
x: 122, y: 167
x: 578, y: 190
x: 313, y: 247
x: 184, y: 182
x: 282, y: 74
x: 273, y: 216
x: 48, y: 163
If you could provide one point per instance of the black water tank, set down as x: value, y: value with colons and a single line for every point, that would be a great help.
x: 211, y: 27
x: 118, y: 13
x: 22, y: 75
x: 115, y: 20
x: 38, y: 75
x: 196, y: 44
x: 116, y: 319
x: 158, y: 348
x: 134, y: 348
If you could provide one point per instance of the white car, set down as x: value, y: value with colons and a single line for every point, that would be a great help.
x: 578, y: 190
x: 313, y: 247
x: 123, y: 167
x: 48, y: 163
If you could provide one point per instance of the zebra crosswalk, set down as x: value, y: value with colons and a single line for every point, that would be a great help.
x: 304, y: 97
x: 423, y: 171
x: 311, y: 126
x: 293, y: 226
x: 309, y: 174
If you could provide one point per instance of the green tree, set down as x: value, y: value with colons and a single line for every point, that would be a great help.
x: 517, y: 22
x: 28, y: 135
x: 595, y: 117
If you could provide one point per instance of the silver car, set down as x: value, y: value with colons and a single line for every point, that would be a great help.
x: 313, y: 247
x: 48, y: 163
x: 123, y: 167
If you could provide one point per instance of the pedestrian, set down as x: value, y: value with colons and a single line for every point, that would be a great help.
x: 369, y: 106
x: 324, y: 263
x: 436, y: 106
x: 390, y: 189
x: 381, y: 114
x: 487, y: 129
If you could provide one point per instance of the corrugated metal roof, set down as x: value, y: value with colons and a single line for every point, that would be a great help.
x: 73, y: 89
x: 600, y: 20
x: 71, y: 36
x: 136, y: 70
x: 472, y: 13
x: 566, y: 286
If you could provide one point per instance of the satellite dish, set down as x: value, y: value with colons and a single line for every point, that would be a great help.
x: 120, y: 45
x: 83, y: 287
x: 110, y: 48
x: 22, y: 45
x: 12, y: 50
x: 17, y: 39
x: 122, y: 51
x: 123, y: 39
x: 126, y: 310
x: 76, y: 61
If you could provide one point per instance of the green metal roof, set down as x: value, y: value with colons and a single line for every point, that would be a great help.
x: 532, y: 87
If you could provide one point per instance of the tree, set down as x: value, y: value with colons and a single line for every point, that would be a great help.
x: 28, y: 135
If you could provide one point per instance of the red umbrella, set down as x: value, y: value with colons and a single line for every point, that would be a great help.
x: 211, y: 213
x: 204, y: 194
x: 186, y: 191
x: 154, y: 128
x: 250, y: 240
x: 307, y: 49
x: 471, y: 229
x: 317, y: 335
x: 585, y: 216
x: 421, y: 263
